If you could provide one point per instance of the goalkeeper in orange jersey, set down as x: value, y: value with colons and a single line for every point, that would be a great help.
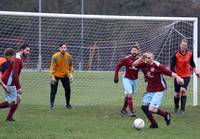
x: 61, y: 69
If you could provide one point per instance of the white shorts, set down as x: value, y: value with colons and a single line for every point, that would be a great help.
x: 12, y: 96
x: 129, y: 85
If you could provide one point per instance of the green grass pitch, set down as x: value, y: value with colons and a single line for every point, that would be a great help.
x: 96, y: 102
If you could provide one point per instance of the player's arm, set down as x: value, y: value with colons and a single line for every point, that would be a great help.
x: 178, y: 78
x: 166, y: 71
x: 173, y: 63
x: 117, y: 68
x: 71, y: 69
x: 192, y: 63
x: 140, y: 61
x: 52, y: 71
x: 53, y: 62
x: 17, y: 65
x: 2, y: 83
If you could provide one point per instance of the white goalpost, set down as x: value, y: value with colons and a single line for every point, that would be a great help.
x: 97, y: 43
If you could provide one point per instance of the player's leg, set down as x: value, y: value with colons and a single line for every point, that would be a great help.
x: 183, y: 100
x: 4, y: 104
x: 66, y: 84
x: 145, y: 108
x: 13, y: 108
x: 183, y: 90
x: 131, y: 102
x: 129, y: 87
x: 154, y: 106
x: 8, y: 99
x: 11, y: 98
x: 53, y: 92
x: 130, y: 105
x: 176, y: 96
x: 125, y: 104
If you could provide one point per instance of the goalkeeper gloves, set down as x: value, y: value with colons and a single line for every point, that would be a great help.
x: 53, y: 80
x: 71, y: 77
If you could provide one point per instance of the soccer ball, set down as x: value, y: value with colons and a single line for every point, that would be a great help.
x: 138, y: 123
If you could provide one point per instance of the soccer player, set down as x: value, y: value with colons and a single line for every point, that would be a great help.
x: 4, y: 64
x: 129, y: 79
x: 153, y: 73
x: 21, y: 55
x: 9, y: 78
x: 23, y: 52
x: 182, y: 64
x: 61, y: 69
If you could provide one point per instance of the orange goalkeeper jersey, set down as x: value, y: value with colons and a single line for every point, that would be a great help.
x: 182, y: 64
x: 63, y: 65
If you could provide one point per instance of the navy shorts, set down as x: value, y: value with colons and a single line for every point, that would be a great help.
x: 177, y: 86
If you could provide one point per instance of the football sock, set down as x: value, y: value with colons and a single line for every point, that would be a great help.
x: 161, y: 112
x: 130, y: 104
x: 183, y: 102
x: 125, y: 103
x: 149, y: 115
x: 12, y: 111
x: 176, y: 102
x: 4, y: 104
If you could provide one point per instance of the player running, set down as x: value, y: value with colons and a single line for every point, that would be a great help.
x: 153, y: 73
x: 11, y: 78
x: 182, y: 64
x: 61, y: 69
x: 129, y: 79
x: 10, y: 68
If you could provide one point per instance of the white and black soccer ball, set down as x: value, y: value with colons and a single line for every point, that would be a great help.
x: 138, y: 123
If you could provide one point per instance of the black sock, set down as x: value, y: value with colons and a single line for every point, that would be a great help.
x: 149, y: 115
x: 176, y: 102
x: 183, y: 102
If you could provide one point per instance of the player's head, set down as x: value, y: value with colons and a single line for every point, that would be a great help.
x: 183, y: 45
x: 63, y: 48
x: 24, y: 50
x: 9, y: 53
x: 148, y: 57
x: 135, y: 50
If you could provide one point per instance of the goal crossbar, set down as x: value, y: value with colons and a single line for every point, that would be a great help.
x: 99, y: 16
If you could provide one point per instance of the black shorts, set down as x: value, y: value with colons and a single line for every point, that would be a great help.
x: 177, y: 86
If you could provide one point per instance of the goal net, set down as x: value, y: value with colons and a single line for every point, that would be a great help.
x: 96, y: 44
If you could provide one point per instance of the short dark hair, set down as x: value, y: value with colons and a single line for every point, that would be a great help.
x: 136, y: 45
x: 60, y: 45
x: 184, y: 40
x: 9, y: 52
x: 24, y: 46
